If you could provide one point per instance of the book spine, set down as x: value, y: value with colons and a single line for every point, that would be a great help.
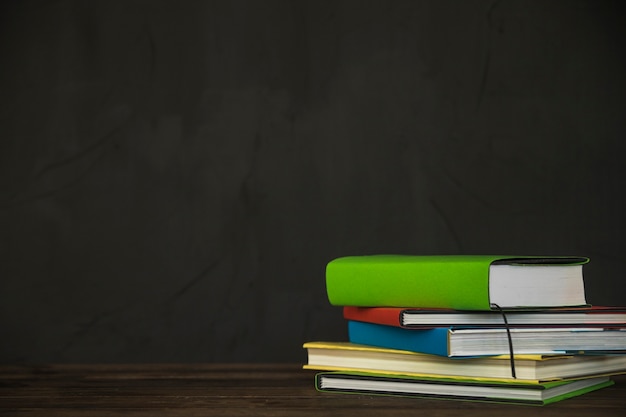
x: 399, y: 282
x: 431, y: 341
x: 379, y: 315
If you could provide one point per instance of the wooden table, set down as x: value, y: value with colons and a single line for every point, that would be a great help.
x: 239, y: 390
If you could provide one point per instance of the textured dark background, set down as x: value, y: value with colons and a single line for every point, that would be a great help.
x: 175, y: 175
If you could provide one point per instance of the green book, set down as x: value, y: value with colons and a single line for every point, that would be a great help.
x: 461, y: 282
x: 471, y: 390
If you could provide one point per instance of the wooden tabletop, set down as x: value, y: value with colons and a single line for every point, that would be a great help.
x: 240, y: 390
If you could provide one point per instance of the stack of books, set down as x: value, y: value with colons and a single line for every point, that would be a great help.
x: 472, y: 327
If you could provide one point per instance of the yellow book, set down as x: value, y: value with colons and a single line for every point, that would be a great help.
x: 533, y: 369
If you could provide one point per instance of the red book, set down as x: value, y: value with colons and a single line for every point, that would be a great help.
x: 596, y: 316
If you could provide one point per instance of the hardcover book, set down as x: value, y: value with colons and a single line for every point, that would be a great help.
x: 419, y: 318
x: 442, y: 388
x: 461, y: 282
x: 345, y: 356
x: 464, y: 342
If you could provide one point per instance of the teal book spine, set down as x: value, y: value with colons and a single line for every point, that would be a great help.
x: 431, y: 341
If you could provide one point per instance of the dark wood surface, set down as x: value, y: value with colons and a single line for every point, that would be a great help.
x: 239, y: 390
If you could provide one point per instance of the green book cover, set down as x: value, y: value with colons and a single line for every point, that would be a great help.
x: 459, y: 282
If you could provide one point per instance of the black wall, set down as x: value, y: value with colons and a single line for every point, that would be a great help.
x: 175, y: 175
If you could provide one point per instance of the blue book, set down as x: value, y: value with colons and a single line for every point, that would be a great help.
x: 433, y: 341
x: 467, y: 342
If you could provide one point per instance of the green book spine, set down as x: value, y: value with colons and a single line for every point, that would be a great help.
x: 459, y: 282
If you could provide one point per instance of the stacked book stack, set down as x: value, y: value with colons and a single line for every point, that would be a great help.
x: 483, y: 328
